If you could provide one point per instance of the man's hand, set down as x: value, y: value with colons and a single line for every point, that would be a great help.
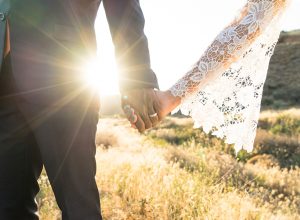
x: 142, y: 102
x: 166, y: 99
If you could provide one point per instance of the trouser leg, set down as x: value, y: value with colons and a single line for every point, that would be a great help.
x: 20, y: 159
x: 66, y: 139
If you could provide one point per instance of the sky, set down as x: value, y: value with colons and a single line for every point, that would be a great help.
x: 178, y: 33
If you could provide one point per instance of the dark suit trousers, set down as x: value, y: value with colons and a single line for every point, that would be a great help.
x: 60, y: 138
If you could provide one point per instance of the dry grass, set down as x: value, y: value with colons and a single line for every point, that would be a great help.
x: 285, y: 148
x: 281, y: 122
x: 113, y: 133
x: 176, y: 172
x: 146, y: 185
x: 273, y: 114
x: 48, y: 209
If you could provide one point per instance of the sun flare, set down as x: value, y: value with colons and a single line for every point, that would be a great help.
x: 102, y: 76
x: 92, y: 74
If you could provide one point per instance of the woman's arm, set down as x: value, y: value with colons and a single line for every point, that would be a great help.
x: 251, y: 21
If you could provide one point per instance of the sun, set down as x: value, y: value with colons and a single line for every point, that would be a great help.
x: 92, y: 74
x: 102, y: 76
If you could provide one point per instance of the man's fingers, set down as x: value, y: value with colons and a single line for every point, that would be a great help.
x: 140, y: 124
x: 154, y: 119
x: 126, y: 108
x: 147, y: 121
x: 157, y: 107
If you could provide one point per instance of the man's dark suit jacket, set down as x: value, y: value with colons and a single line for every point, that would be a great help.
x: 53, y: 40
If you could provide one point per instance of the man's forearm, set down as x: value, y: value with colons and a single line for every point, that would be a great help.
x: 126, y: 21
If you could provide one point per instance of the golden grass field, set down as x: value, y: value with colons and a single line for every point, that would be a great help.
x: 176, y: 172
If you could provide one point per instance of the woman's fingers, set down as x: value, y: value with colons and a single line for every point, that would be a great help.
x: 133, y: 119
x: 126, y: 109
x: 129, y: 114
x: 134, y: 126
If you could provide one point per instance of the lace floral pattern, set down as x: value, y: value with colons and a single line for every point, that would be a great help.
x: 223, y: 90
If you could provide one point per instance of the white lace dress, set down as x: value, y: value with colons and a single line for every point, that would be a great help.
x: 222, y: 91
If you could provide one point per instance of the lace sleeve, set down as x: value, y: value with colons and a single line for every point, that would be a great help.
x: 222, y: 91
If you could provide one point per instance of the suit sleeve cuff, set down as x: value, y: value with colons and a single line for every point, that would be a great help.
x: 145, y: 79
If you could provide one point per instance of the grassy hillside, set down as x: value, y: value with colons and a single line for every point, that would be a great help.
x: 282, y: 88
x: 176, y: 172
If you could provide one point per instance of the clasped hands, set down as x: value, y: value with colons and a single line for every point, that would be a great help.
x: 145, y: 108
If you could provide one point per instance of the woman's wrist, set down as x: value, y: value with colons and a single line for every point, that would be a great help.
x: 175, y: 101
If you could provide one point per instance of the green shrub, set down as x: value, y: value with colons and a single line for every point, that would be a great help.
x: 281, y: 124
x: 267, y: 100
x: 280, y: 103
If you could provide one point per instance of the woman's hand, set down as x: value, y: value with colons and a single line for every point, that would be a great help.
x: 167, y: 101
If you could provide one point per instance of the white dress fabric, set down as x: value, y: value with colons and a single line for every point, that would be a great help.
x: 222, y: 91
